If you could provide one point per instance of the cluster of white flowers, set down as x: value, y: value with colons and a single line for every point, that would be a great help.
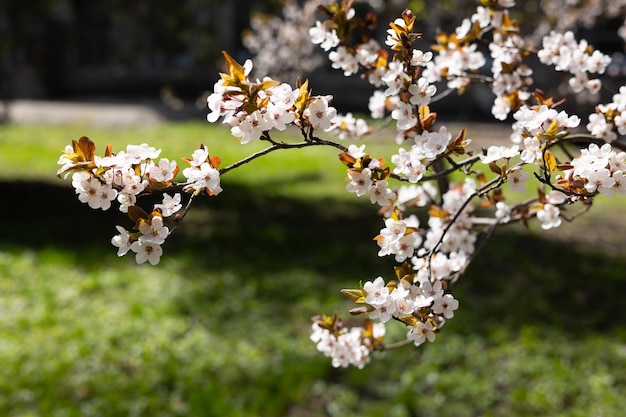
x: 365, y: 180
x: 228, y: 102
x: 394, y: 76
x: 495, y: 152
x: 349, y: 348
x: 92, y: 191
x: 201, y: 175
x: 510, y: 74
x: 549, y: 216
x: 319, y: 113
x: 443, y: 250
x: 342, y: 57
x: 324, y: 37
x: 360, y: 182
x: 406, y: 301
x: 124, y: 176
x: 608, y: 117
x: 426, y: 147
x: 601, y: 168
x: 399, y: 238
x: 252, y: 108
x: 452, y: 64
x: 147, y: 245
x: 532, y: 123
x: 459, y: 58
x: 414, y: 195
x: 419, y: 91
x: 402, y: 237
x: 562, y: 51
x: 349, y: 60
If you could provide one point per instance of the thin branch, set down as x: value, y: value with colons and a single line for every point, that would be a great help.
x: 485, y: 235
x: 565, y: 150
x: 491, y: 185
x: 442, y: 179
x: 442, y: 95
x: 443, y: 173
x: 587, y: 139
x: 494, y: 183
x: 250, y: 158
x: 282, y: 145
x: 397, y: 345
x: 546, y: 181
x: 432, y: 251
x: 266, y: 137
x: 181, y: 216
x: 319, y: 141
x: 579, y: 213
x: 468, y: 161
x: 312, y: 141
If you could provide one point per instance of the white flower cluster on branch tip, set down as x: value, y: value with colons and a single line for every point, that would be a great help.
x: 127, y: 175
x: 351, y: 347
x: 609, y: 117
x: 577, y: 58
x: 439, y: 200
x: 601, y: 169
x: 253, y: 108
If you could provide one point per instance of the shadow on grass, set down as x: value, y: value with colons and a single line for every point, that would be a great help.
x: 518, y: 279
x: 242, y: 229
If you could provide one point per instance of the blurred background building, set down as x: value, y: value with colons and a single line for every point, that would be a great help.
x: 72, y: 49
x: 62, y: 48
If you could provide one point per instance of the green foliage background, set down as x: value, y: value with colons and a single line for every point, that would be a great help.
x: 220, y: 327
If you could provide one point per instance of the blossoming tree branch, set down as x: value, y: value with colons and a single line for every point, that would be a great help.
x: 568, y: 162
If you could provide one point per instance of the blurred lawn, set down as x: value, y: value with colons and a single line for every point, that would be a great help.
x: 32, y: 152
x: 220, y: 327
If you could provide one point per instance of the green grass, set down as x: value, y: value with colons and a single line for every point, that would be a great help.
x: 32, y: 152
x: 220, y: 327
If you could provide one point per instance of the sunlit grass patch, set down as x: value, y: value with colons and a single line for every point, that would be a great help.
x: 32, y: 152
